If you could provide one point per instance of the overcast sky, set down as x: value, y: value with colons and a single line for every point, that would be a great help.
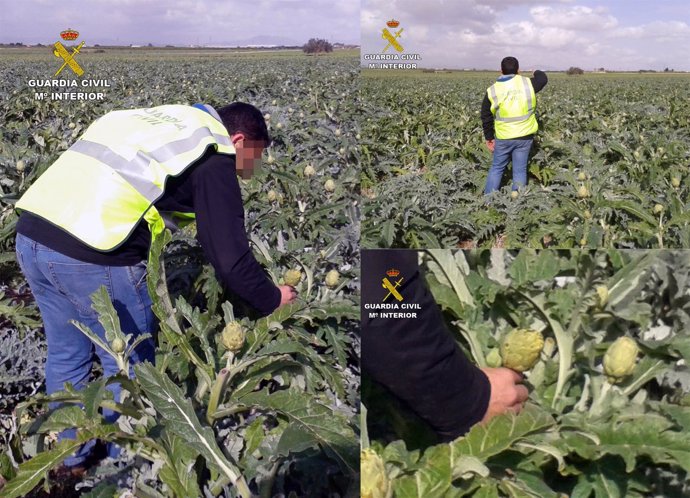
x: 547, y: 34
x: 181, y: 22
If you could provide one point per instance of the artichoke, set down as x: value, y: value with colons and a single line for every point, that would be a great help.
x: 309, y: 170
x: 272, y: 196
x: 329, y: 186
x: 520, y: 349
x: 118, y: 345
x: 493, y: 358
x: 602, y: 295
x: 332, y: 278
x: 233, y: 337
x: 292, y: 277
x: 374, y: 481
x: 620, y: 358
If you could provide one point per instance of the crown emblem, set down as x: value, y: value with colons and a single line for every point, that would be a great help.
x: 393, y: 273
x: 393, y: 23
x: 69, y: 34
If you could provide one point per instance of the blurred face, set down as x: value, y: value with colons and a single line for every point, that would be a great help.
x: 247, y: 155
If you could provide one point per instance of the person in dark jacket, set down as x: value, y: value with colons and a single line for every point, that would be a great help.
x: 63, y: 271
x: 409, y: 351
x: 509, y: 122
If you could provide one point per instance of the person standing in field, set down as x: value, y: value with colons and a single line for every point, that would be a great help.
x: 88, y: 222
x: 509, y: 122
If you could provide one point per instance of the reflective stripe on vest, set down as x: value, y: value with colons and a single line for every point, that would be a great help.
x: 99, y: 189
x: 513, y: 105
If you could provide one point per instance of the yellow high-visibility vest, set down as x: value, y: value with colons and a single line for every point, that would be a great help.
x: 513, y: 103
x: 100, y: 188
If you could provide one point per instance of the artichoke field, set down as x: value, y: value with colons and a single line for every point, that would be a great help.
x: 235, y: 405
x: 608, y: 168
x: 609, y: 408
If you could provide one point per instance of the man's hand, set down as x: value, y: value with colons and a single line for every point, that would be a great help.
x: 288, y: 294
x: 507, y: 394
x: 490, y: 144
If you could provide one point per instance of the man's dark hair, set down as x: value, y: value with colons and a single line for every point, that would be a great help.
x: 239, y: 117
x: 509, y: 65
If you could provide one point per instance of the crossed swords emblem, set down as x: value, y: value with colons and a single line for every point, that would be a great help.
x: 392, y: 289
x: 392, y: 39
x: 61, y: 51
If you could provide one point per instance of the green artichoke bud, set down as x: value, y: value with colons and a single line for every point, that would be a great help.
x: 521, y: 348
x: 272, y: 195
x: 309, y: 170
x: 658, y: 208
x: 292, y: 277
x: 329, y: 186
x: 583, y: 192
x: 233, y: 337
x: 118, y: 345
x: 581, y: 176
x: 602, y: 295
x: 493, y: 359
x: 675, y: 181
x: 332, y: 278
x: 374, y: 481
x: 620, y: 358
x: 21, y: 165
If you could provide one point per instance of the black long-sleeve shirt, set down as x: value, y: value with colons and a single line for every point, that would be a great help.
x: 417, y: 359
x: 538, y: 81
x: 209, y: 189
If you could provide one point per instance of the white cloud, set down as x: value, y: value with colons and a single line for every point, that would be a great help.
x: 578, y: 18
x: 554, y: 34
x: 659, y: 31
x: 182, y: 21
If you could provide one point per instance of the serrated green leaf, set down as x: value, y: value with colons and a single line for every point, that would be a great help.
x: 178, y: 416
x: 102, y: 490
x: 681, y: 414
x: 639, y: 436
x: 326, y: 426
x: 485, y: 441
x: 533, y: 482
x: 295, y: 438
x: 31, y: 472
x: 433, y: 479
x: 465, y: 466
x: 107, y: 315
x: 177, y: 471
x: 92, y: 395
x: 64, y: 417
x: 253, y: 436
x: 629, y: 280
x: 450, y: 269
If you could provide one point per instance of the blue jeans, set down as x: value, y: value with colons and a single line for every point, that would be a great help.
x: 62, y: 287
x: 504, y: 151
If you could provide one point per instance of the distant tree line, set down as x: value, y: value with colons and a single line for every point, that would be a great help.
x: 316, y: 46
